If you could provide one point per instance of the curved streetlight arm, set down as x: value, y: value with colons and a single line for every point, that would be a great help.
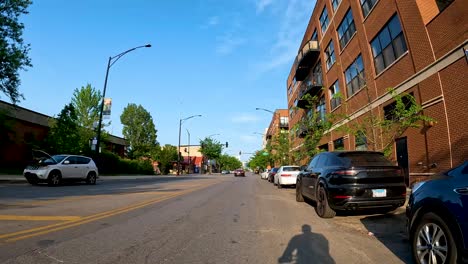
x: 263, y: 109
x: 187, y: 118
x: 115, y: 58
x: 178, y: 149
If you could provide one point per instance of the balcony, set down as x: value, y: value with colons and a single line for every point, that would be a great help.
x: 302, y: 132
x: 311, y: 85
x: 306, y: 58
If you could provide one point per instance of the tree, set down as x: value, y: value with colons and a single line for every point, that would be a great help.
x: 227, y: 162
x: 403, y: 113
x: 312, y: 127
x: 63, y: 133
x: 211, y: 149
x: 281, y: 147
x: 139, y: 130
x: 165, y: 156
x: 261, y: 159
x: 86, y: 101
x: 13, y: 51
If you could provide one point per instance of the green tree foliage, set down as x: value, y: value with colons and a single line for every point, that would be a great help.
x: 280, y: 146
x: 86, y: 101
x: 211, y: 149
x: 312, y: 128
x: 261, y: 159
x: 406, y: 113
x: 139, y: 130
x: 64, y: 135
x: 165, y: 156
x: 13, y: 51
x: 227, y: 162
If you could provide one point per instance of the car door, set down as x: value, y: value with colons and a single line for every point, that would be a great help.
x: 317, y: 172
x: 307, y: 187
x: 68, y: 167
x: 83, y: 166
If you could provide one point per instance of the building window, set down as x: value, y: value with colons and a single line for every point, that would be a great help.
x: 335, y: 3
x: 323, y: 147
x: 346, y: 29
x: 390, y: 110
x: 284, y: 121
x: 361, y: 141
x: 289, y: 90
x: 388, y: 45
x: 330, y: 55
x: 291, y: 112
x: 314, y: 36
x: 321, y: 109
x: 355, y: 76
x: 442, y: 4
x: 338, y: 144
x: 367, y: 5
x: 324, y: 20
x: 335, y: 100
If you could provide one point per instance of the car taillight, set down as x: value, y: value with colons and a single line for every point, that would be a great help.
x: 285, y: 175
x: 342, y: 196
x: 345, y: 172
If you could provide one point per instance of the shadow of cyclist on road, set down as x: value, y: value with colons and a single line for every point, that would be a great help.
x: 307, y: 248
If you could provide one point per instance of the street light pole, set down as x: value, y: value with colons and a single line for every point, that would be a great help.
x: 111, y: 61
x: 180, y: 128
x: 188, y: 150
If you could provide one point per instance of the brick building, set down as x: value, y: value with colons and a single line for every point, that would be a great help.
x: 25, y: 129
x: 279, y: 124
x: 360, y: 48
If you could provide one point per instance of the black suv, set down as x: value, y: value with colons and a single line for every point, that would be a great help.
x: 351, y: 180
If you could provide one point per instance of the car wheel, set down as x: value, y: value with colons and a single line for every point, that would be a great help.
x: 279, y: 185
x: 91, y: 178
x: 323, y: 208
x: 54, y: 178
x: 433, y: 241
x: 299, y: 197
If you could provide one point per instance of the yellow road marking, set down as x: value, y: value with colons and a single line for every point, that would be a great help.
x: 38, y: 218
x: 15, y: 236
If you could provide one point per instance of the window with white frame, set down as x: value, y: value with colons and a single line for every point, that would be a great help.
x: 335, y: 3
x: 367, y: 5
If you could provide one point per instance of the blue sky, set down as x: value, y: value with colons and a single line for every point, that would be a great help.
x: 217, y: 58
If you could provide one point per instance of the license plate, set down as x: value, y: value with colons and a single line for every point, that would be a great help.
x: 379, y: 193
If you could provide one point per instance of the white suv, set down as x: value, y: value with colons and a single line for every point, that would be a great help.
x: 54, y: 169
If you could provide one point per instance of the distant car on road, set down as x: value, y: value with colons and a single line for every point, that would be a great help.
x: 351, y: 180
x: 225, y: 172
x: 271, y: 174
x: 239, y: 172
x: 286, y: 175
x: 55, y: 169
x: 437, y: 218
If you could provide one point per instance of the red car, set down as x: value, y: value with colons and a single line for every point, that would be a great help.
x: 239, y: 172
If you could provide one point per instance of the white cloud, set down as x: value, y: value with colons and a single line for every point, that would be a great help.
x: 293, y: 22
x: 228, y: 44
x: 245, y: 118
x: 262, y: 4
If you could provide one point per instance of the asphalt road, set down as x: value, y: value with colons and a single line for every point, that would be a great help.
x: 194, y: 219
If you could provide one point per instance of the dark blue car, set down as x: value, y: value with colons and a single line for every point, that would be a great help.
x: 438, y: 218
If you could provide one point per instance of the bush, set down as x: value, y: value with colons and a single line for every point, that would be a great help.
x: 110, y: 163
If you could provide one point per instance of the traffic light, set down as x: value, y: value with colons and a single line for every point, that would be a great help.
x: 240, y: 153
x: 185, y: 149
x: 227, y: 144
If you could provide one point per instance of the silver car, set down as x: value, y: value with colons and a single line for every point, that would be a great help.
x: 55, y: 169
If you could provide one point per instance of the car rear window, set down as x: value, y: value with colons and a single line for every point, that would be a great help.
x: 351, y: 159
x: 291, y: 169
x: 274, y: 169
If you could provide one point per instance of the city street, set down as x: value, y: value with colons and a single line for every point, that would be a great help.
x: 187, y: 219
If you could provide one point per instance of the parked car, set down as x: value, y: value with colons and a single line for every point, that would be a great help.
x: 437, y: 218
x: 271, y: 174
x: 286, y: 175
x: 264, y: 175
x: 55, y: 169
x: 224, y: 172
x: 239, y: 172
x: 351, y: 180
